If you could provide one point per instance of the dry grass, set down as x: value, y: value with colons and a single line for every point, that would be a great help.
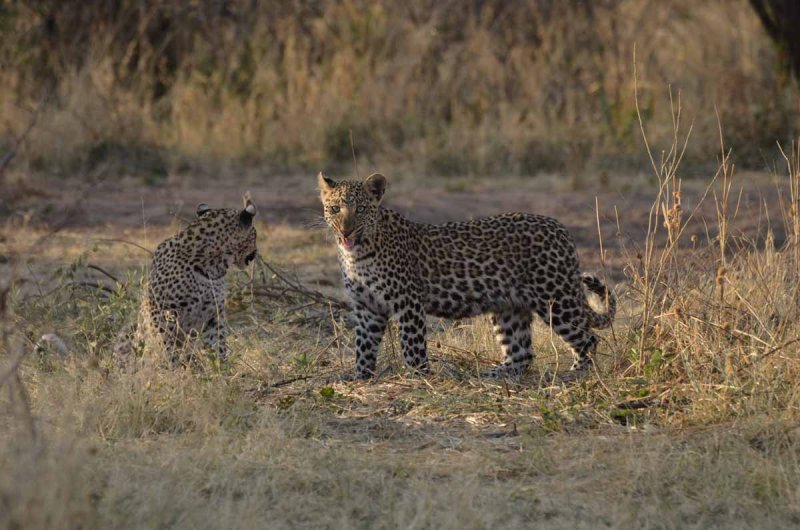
x: 691, y: 419
x: 511, y: 87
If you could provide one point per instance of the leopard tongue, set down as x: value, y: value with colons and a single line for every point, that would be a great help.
x: 348, y: 243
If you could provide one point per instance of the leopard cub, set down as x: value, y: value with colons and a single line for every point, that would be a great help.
x: 184, y: 296
x: 510, y: 265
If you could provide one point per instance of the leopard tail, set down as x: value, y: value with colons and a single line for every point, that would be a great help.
x: 594, y: 285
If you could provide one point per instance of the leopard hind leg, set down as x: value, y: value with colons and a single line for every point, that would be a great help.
x: 512, y: 327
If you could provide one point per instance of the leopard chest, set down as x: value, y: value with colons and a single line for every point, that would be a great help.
x: 193, y: 299
x: 370, y: 282
x: 208, y: 298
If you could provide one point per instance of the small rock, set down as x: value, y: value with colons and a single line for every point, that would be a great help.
x: 51, y: 343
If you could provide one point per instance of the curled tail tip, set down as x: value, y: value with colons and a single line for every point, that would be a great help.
x: 588, y: 277
x: 596, y: 286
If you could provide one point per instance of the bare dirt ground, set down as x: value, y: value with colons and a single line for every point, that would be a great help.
x: 621, y: 207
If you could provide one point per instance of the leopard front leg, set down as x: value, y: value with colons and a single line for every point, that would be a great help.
x: 370, y: 326
x: 162, y: 325
x: 412, y: 335
x: 215, y: 335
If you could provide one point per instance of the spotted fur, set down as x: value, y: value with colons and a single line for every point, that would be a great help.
x: 510, y: 265
x: 184, y: 296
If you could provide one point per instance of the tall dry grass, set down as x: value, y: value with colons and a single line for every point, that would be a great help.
x: 690, y: 420
x: 428, y: 88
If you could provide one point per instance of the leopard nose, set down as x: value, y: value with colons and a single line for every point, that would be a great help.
x: 348, y: 226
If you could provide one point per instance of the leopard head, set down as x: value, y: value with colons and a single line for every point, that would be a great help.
x: 226, y: 233
x: 351, y: 208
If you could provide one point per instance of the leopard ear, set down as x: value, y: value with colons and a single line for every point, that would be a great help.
x: 248, y: 203
x: 376, y: 186
x: 249, y: 211
x: 325, y: 183
x: 202, y: 208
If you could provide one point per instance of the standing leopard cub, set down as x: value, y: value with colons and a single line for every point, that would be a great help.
x: 184, y: 296
x: 509, y: 265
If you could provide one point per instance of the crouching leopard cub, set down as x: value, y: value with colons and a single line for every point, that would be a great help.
x: 184, y: 297
x: 510, y: 265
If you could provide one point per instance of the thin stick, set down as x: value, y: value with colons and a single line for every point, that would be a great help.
x: 131, y: 243
x: 13, y: 367
x: 6, y: 160
x: 353, y: 150
x: 639, y: 114
x: 774, y: 350
x: 25, y: 403
x: 285, y: 382
x: 599, y: 233
x: 103, y: 271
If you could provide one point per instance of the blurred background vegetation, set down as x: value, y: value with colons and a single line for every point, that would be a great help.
x: 468, y: 87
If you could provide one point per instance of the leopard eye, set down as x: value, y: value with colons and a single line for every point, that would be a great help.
x: 361, y: 209
x: 335, y: 209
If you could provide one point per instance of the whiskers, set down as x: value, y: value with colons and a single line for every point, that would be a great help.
x: 333, y: 231
x: 317, y: 222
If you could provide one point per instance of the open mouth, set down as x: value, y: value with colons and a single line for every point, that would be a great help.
x: 250, y: 257
x: 348, y: 243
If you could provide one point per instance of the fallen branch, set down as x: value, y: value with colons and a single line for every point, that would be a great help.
x: 103, y: 271
x: 774, y: 350
x: 289, y: 381
x: 638, y: 404
x: 326, y: 378
x: 294, y: 286
x: 94, y: 285
x: 298, y: 304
